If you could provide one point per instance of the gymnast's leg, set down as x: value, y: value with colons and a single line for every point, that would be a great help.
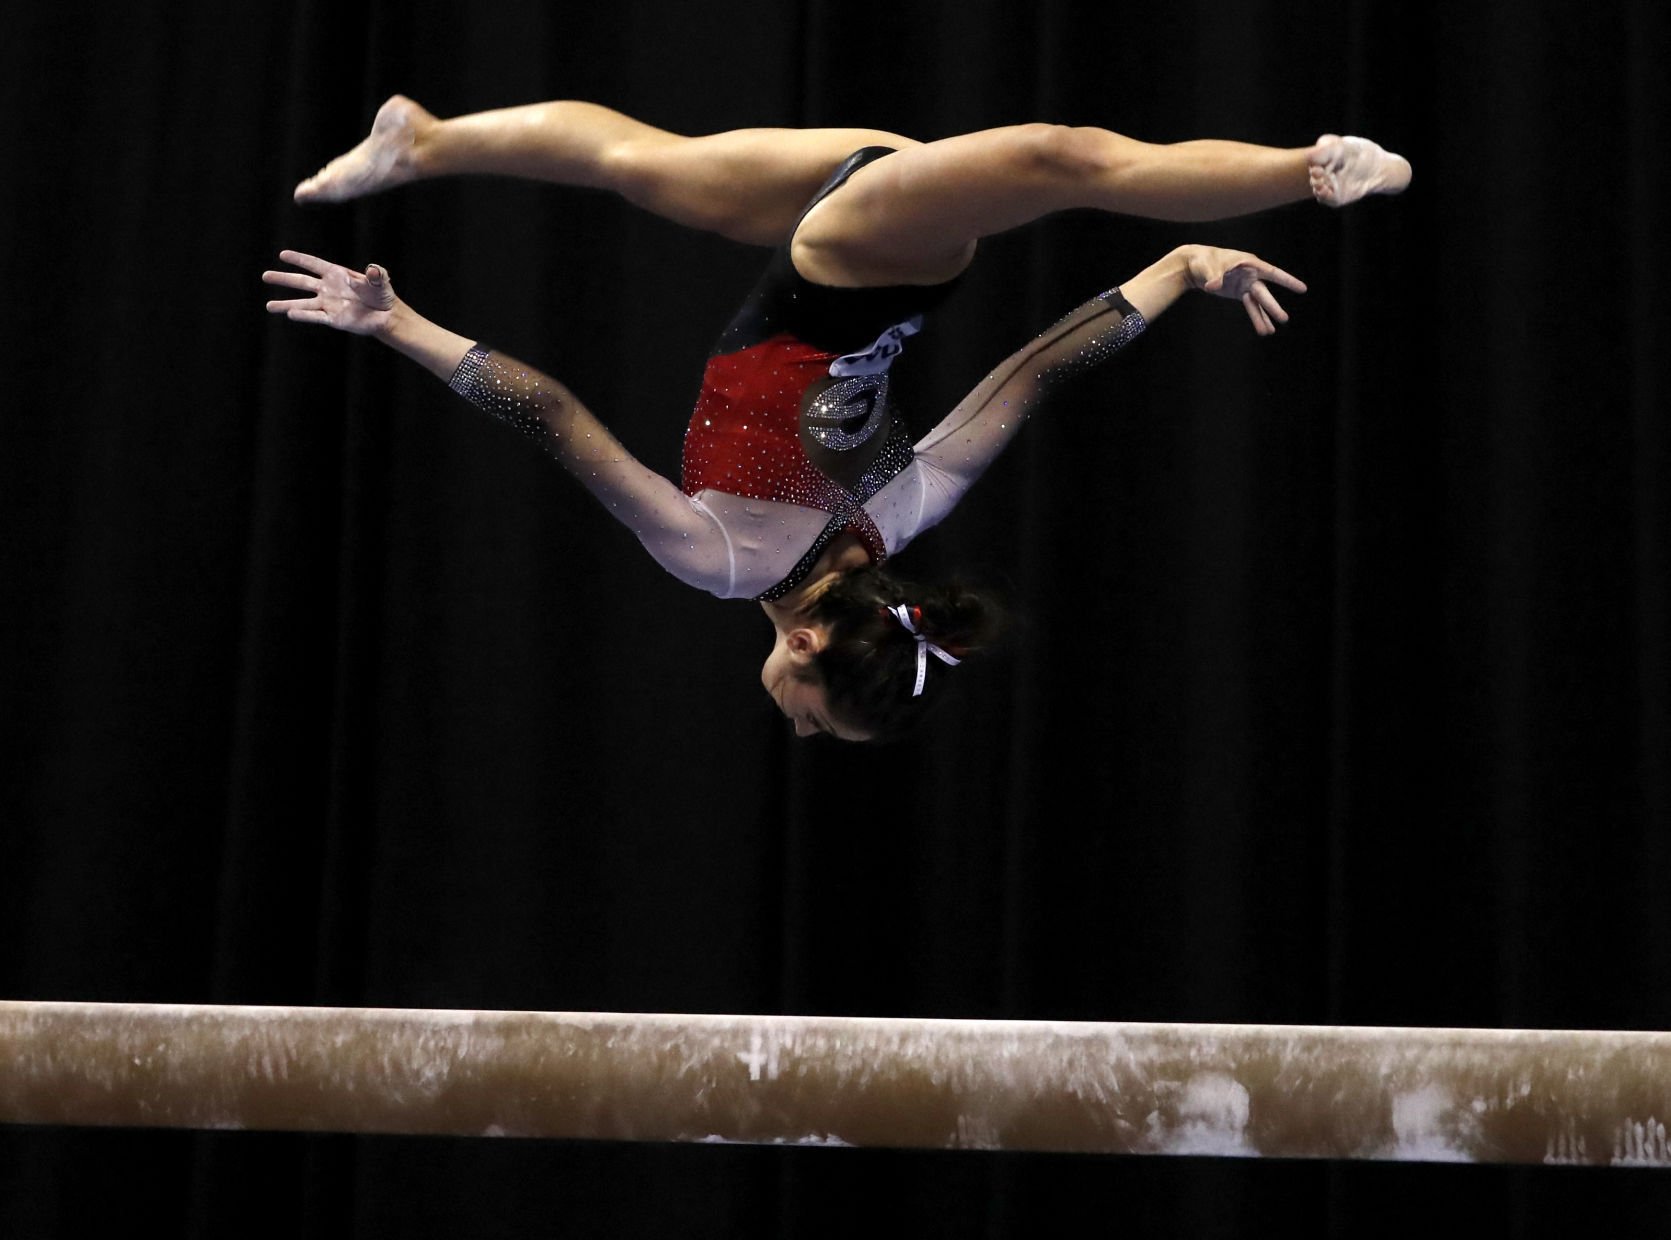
x: 747, y: 184
x: 914, y: 217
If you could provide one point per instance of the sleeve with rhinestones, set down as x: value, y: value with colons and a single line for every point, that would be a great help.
x: 956, y: 452
x: 680, y: 533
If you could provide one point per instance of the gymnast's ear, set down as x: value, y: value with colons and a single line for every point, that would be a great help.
x: 805, y: 642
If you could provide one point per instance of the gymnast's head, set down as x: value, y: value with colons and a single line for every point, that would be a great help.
x: 867, y: 656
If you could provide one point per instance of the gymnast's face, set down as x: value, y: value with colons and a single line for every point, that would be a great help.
x: 786, y: 675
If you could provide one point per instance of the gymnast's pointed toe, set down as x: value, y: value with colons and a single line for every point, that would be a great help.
x: 1345, y: 169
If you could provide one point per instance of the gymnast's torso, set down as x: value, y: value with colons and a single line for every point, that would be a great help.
x: 794, y: 440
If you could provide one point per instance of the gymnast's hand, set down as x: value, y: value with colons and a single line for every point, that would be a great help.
x: 341, y: 298
x: 1242, y: 277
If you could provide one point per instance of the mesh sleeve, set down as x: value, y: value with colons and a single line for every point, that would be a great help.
x: 682, y: 535
x: 957, y: 451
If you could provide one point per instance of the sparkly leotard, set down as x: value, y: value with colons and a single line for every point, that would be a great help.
x: 793, y: 440
x: 794, y: 407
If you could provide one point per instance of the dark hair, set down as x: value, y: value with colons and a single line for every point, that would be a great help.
x: 868, y: 666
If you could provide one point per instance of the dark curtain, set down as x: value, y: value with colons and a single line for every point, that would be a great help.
x: 1339, y: 692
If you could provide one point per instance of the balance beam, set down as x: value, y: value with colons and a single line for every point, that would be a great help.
x: 1258, y: 1091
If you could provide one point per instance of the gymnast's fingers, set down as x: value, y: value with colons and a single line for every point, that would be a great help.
x: 306, y: 262
x: 1268, y: 302
x: 291, y: 279
x: 1256, y: 313
x: 300, y: 315
x: 1276, y: 275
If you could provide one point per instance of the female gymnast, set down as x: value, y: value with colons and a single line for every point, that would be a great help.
x: 798, y: 478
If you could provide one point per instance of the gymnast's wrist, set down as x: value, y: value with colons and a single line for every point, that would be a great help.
x: 1161, y: 283
x: 397, y: 325
x: 1178, y: 263
x: 1172, y: 272
x: 429, y: 344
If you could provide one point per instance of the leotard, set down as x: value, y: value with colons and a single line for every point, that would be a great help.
x: 795, y: 410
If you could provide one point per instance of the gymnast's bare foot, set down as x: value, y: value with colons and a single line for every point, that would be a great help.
x: 385, y: 159
x: 1344, y: 170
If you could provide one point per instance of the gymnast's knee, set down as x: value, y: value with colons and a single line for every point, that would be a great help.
x: 1072, y: 152
x: 648, y: 173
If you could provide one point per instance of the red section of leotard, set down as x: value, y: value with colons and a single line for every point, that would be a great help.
x: 744, y: 438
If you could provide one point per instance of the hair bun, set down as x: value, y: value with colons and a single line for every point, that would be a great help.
x: 869, y: 665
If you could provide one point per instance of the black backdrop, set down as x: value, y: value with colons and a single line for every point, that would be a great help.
x: 1341, y: 694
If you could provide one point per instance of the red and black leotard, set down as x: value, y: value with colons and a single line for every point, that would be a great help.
x: 794, y: 405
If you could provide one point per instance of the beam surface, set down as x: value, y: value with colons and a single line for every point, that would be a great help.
x: 1266, y: 1091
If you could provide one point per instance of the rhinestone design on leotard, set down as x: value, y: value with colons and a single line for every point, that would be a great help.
x: 513, y: 404
x: 846, y: 401
x: 1100, y: 343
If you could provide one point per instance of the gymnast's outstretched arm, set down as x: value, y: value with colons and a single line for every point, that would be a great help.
x: 676, y: 530
x: 957, y: 451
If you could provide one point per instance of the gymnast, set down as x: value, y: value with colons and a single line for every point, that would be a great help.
x: 799, y: 479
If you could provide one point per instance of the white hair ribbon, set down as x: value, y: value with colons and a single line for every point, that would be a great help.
x: 925, y: 648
